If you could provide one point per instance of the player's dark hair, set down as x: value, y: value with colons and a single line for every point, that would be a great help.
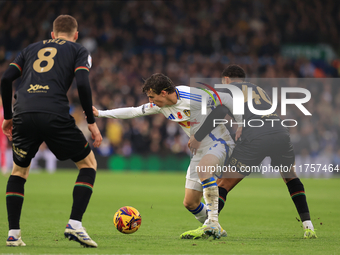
x: 65, y: 24
x: 158, y: 82
x: 234, y: 71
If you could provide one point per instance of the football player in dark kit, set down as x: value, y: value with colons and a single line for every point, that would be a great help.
x: 253, y: 144
x: 41, y: 114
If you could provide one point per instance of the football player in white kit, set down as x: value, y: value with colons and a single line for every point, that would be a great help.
x: 182, y: 104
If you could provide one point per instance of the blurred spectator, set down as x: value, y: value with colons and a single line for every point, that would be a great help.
x: 130, y: 40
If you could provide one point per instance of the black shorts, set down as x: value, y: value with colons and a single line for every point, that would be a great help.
x: 61, y: 135
x: 248, y: 155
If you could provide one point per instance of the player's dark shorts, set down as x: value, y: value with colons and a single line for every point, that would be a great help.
x: 248, y: 155
x: 60, y: 134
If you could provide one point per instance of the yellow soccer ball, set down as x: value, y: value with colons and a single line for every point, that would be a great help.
x: 127, y: 220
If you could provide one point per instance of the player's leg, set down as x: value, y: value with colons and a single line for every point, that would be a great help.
x: 285, y: 157
x: 14, y: 200
x: 193, y: 197
x: 66, y: 141
x: 82, y: 192
x: 225, y: 185
x: 192, y: 201
x: 26, y: 142
x: 206, y: 169
x: 193, y: 191
x: 297, y: 193
x: 83, y: 187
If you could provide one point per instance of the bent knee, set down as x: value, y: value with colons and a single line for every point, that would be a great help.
x: 190, y: 205
x: 88, y: 162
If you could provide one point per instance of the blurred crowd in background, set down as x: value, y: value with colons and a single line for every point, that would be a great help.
x: 131, y: 40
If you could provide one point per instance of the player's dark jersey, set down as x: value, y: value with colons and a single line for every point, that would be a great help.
x: 261, y: 101
x: 48, y: 69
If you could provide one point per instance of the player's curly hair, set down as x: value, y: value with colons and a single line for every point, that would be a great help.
x: 234, y: 71
x: 65, y: 24
x: 158, y: 82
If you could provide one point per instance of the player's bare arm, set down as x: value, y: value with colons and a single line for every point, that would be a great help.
x: 238, y: 133
x: 95, y: 111
x: 95, y: 134
x: 7, y: 127
x: 193, y: 144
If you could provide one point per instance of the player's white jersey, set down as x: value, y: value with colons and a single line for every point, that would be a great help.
x: 187, y: 112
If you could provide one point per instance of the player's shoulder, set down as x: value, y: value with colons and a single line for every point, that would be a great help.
x: 35, y: 45
x: 76, y: 47
x: 79, y: 47
x: 183, y: 89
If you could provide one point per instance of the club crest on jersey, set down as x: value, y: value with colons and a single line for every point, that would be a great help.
x: 187, y: 112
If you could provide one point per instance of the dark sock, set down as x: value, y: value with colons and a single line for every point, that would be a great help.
x: 297, y: 193
x: 82, y: 192
x: 222, y: 197
x: 14, y: 200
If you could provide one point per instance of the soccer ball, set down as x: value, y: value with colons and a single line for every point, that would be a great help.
x: 127, y: 220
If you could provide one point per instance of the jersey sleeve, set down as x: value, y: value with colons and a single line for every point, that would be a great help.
x: 130, y: 112
x: 227, y: 101
x: 19, y: 61
x: 224, y: 98
x: 83, y: 60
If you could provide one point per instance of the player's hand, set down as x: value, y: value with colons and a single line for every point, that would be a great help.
x: 95, y: 134
x: 193, y: 144
x: 7, y: 127
x: 238, y: 133
x: 95, y: 111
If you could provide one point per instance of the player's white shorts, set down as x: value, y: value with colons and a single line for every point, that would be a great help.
x: 218, y: 149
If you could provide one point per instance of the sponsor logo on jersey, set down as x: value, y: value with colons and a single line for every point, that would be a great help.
x: 38, y: 88
x: 188, y: 124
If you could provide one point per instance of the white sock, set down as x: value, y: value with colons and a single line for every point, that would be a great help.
x: 307, y: 224
x: 210, y: 194
x: 15, y: 232
x: 200, y: 212
x: 75, y: 224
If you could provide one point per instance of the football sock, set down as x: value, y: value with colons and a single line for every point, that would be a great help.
x: 307, y: 224
x: 14, y: 200
x: 222, y: 192
x: 210, y: 194
x: 82, y: 192
x: 76, y: 224
x: 16, y: 233
x: 297, y: 193
x: 200, y: 212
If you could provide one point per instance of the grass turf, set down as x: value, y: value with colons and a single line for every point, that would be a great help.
x: 259, y: 216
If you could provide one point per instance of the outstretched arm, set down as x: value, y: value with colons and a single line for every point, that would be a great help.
x: 127, y: 112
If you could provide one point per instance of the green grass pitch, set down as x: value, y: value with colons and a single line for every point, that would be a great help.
x: 259, y: 216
